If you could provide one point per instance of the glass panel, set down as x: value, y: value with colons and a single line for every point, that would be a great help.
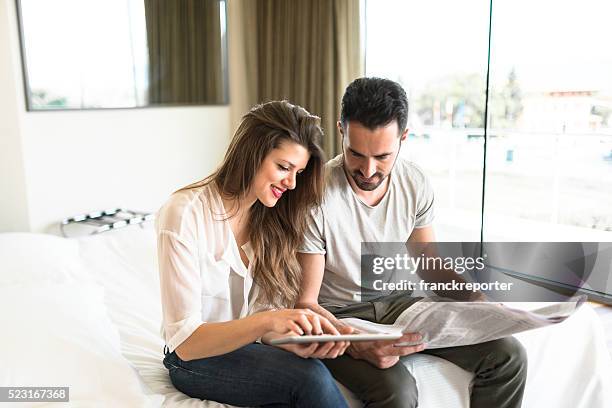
x: 441, y: 62
x: 549, y: 157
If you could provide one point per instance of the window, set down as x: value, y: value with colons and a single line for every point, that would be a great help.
x: 548, y: 173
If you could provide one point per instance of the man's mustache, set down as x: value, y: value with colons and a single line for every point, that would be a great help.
x: 361, y: 176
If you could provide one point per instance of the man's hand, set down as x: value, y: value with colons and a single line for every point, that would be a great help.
x: 385, y: 353
x: 478, y: 297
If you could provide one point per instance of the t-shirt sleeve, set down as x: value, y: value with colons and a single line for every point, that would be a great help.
x: 180, y: 283
x: 314, y: 238
x: 425, y: 203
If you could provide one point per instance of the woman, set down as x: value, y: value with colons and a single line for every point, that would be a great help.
x: 226, y: 249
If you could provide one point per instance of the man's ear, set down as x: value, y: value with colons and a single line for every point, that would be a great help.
x: 340, y: 129
x: 404, y: 135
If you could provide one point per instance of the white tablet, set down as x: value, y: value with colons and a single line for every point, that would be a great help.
x: 323, y: 338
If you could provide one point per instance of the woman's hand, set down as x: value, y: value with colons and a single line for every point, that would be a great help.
x: 328, y: 349
x: 299, y: 321
x: 311, y: 350
x: 293, y: 322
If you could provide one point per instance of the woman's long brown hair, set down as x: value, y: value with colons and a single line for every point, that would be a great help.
x: 274, y: 233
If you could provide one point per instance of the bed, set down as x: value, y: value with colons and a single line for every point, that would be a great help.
x: 85, y: 313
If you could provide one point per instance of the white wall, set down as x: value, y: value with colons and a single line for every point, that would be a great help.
x: 82, y: 161
x: 13, y: 200
x: 57, y: 164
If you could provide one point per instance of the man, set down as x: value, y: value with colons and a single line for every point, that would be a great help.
x: 373, y: 195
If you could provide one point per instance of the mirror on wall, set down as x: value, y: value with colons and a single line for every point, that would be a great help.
x: 96, y: 54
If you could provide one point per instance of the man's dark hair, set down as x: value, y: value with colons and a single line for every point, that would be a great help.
x: 374, y: 102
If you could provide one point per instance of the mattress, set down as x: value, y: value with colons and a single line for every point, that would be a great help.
x: 569, y: 365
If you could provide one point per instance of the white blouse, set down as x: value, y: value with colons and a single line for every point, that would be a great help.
x: 202, y: 276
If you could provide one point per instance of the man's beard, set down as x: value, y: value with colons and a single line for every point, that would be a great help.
x: 371, y: 184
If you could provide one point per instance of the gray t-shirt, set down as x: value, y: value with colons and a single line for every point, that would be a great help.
x: 343, y: 222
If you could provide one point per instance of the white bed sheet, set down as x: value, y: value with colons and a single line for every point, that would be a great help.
x: 568, y: 364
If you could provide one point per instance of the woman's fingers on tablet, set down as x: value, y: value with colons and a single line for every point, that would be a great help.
x: 345, y: 347
x: 305, y: 350
x: 327, y: 326
x: 316, y: 324
x: 323, y: 351
x: 304, y: 322
x: 294, y: 327
x: 337, y: 349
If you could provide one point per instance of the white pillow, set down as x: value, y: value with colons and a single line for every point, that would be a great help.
x: 60, y: 335
x: 131, y: 251
x: 124, y: 262
x: 27, y: 258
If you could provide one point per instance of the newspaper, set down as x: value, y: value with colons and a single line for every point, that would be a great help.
x: 449, y: 324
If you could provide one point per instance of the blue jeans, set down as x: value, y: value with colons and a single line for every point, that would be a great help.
x: 256, y: 375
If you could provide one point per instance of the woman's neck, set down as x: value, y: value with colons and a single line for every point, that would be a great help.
x: 238, y: 211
